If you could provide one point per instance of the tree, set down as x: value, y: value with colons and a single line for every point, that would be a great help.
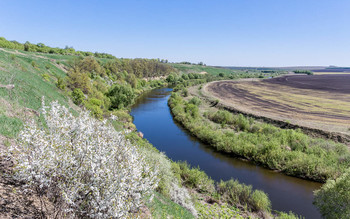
x: 78, y: 96
x: 121, y: 96
x: 333, y: 199
x: 76, y: 79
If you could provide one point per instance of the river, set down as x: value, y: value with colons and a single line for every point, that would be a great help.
x: 153, y: 118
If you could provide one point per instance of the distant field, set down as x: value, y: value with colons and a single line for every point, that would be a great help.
x: 327, y: 73
x: 318, y: 101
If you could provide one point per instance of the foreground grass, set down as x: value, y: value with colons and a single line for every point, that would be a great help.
x: 286, y: 150
x: 163, y: 207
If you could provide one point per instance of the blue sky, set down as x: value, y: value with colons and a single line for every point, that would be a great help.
x: 221, y: 32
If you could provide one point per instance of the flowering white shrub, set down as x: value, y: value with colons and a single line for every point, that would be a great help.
x: 168, y: 182
x: 94, y: 169
x: 180, y: 195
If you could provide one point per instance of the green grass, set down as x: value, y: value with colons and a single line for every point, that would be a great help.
x: 185, y: 68
x: 31, y: 83
x: 162, y: 207
x: 9, y: 126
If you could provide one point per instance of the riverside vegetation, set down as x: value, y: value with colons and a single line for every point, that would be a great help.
x: 286, y: 150
x: 65, y: 156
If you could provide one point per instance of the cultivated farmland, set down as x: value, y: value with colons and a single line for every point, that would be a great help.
x: 317, y: 102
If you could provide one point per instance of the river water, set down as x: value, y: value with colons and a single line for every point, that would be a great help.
x: 153, y: 118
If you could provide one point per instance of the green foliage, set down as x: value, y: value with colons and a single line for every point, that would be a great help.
x: 78, y: 96
x: 286, y: 150
x: 34, y: 64
x: 141, y: 68
x: 61, y: 84
x: 303, y: 72
x: 290, y: 215
x: 195, y: 101
x: 223, y: 211
x: 94, y: 106
x: 192, y: 110
x: 333, y: 199
x: 40, y: 47
x: 233, y: 192
x: 46, y: 77
x: 172, y: 78
x: 77, y: 79
x: 121, y: 96
x: 193, y: 177
x: 184, y: 92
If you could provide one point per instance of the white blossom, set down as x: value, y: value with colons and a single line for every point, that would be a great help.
x: 97, y: 172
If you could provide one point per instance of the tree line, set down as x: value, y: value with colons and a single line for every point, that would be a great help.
x: 40, y: 47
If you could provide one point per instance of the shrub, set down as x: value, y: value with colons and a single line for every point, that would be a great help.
x: 33, y: 63
x: 192, y: 110
x: 46, y: 77
x: 83, y: 164
x: 121, y: 96
x: 195, y: 101
x: 78, y: 96
x: 333, y: 199
x: 60, y: 83
x: 233, y: 193
x: 193, y: 177
x: 184, y: 92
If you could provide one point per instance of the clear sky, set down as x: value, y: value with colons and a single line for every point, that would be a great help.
x: 217, y: 32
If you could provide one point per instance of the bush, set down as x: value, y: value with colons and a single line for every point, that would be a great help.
x: 78, y: 96
x: 234, y: 193
x: 84, y: 165
x: 192, y: 110
x: 60, y: 83
x: 121, y: 96
x: 195, y: 101
x: 193, y: 177
x: 333, y: 199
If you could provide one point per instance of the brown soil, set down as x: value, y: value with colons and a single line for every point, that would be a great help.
x: 16, y: 200
x: 318, y: 104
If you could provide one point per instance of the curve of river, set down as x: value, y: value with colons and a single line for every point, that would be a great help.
x: 153, y: 118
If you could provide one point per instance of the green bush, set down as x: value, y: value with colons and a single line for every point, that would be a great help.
x: 193, y: 177
x: 235, y: 193
x: 121, y: 96
x: 333, y: 199
x: 192, y: 110
x: 78, y: 96
x: 195, y: 101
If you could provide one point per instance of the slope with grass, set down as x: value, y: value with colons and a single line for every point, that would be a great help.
x: 26, y: 77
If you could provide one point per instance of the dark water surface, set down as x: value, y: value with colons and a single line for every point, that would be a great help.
x: 153, y: 118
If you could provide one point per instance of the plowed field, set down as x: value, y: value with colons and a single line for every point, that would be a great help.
x: 313, y: 101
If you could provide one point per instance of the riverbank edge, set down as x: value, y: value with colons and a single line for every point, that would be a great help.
x: 211, y: 201
x: 215, y: 103
x: 312, y: 132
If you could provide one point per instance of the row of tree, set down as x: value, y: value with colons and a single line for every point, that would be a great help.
x: 141, y: 68
x: 40, y: 47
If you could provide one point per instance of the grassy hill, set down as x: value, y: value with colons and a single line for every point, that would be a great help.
x: 26, y: 77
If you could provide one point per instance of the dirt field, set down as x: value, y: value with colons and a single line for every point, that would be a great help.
x: 317, y: 102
